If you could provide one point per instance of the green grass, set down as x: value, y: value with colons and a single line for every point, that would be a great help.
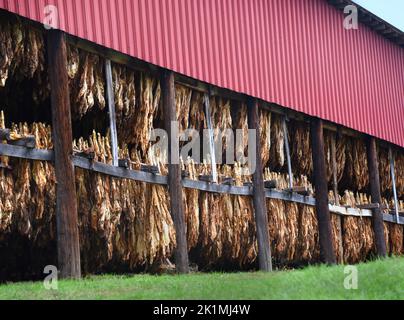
x: 377, y: 280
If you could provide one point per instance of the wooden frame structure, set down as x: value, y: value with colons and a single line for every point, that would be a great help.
x: 65, y: 161
x: 142, y: 176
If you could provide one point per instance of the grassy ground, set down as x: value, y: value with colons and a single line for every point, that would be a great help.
x: 376, y: 280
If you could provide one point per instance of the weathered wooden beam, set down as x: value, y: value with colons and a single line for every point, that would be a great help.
x: 374, y: 181
x: 25, y: 153
x: 120, y: 172
x: 111, y: 111
x: 260, y: 208
x: 371, y: 206
x: 216, y: 188
x: 136, y: 175
x: 327, y: 253
x: 5, y: 134
x: 149, y: 168
x: 174, y: 174
x: 228, y: 181
x: 206, y: 177
x: 28, y: 141
x: 17, y: 140
x: 88, y: 154
x: 304, y: 191
x: 66, y: 206
x: 270, y: 184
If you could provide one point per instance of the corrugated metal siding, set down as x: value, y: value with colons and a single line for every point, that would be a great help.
x: 291, y: 52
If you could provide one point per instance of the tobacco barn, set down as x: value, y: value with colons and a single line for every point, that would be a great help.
x: 82, y: 83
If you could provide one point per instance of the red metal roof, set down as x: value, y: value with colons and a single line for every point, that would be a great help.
x: 295, y: 53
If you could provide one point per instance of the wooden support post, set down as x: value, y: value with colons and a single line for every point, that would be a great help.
x: 287, y: 151
x: 174, y: 174
x: 374, y: 181
x: 111, y: 110
x: 260, y: 208
x: 336, y: 194
x: 393, y: 180
x: 327, y: 253
x: 66, y: 206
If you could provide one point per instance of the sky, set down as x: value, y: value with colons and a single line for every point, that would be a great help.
x: 391, y: 11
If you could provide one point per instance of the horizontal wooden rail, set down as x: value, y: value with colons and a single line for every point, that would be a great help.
x: 118, y: 172
x: 26, y: 153
x: 216, y: 188
x: 289, y: 196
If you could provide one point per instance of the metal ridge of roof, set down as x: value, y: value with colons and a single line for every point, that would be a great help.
x: 373, y: 21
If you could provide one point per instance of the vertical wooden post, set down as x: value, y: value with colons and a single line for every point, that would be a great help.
x: 374, y: 181
x: 66, y: 205
x: 327, y: 253
x: 111, y: 111
x: 174, y: 174
x: 336, y: 194
x: 260, y: 208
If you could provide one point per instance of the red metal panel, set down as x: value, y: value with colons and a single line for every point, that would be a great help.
x: 292, y: 52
